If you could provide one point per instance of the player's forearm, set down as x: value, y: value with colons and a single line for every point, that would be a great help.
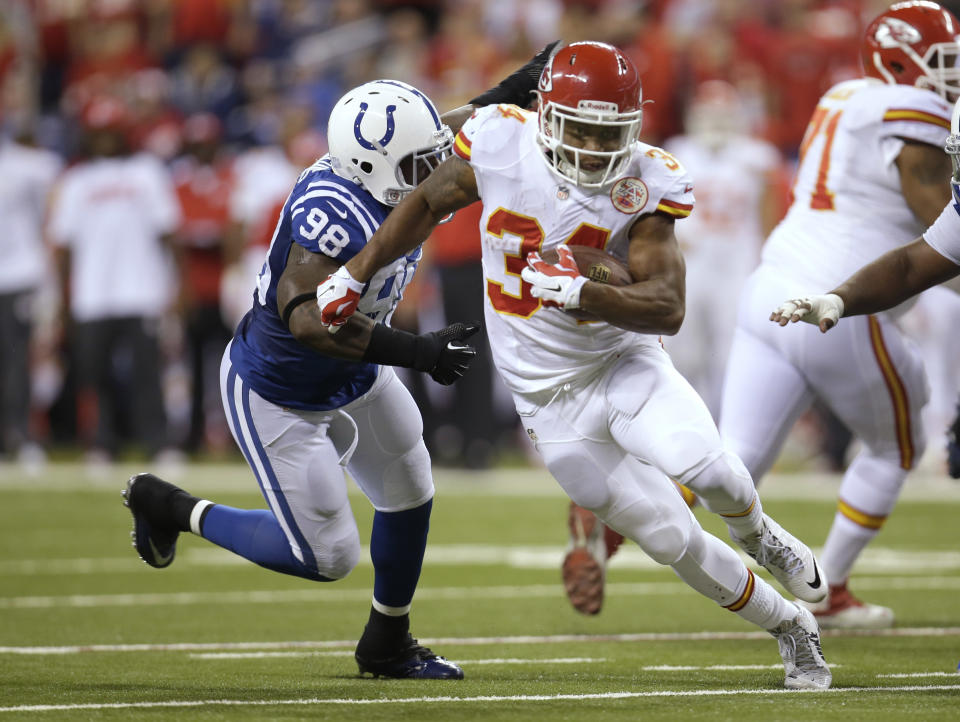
x: 652, y: 307
x: 349, y: 344
x: 886, y: 282
x: 407, y: 226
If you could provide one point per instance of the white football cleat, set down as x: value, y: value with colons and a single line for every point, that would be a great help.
x: 803, y: 662
x: 788, y: 559
x: 842, y: 610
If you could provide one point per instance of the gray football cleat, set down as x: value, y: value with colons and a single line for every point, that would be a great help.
x: 803, y: 662
x: 788, y: 559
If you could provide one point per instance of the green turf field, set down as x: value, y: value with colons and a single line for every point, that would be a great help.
x: 90, y: 632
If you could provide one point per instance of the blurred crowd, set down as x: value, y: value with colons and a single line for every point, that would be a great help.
x: 147, y: 146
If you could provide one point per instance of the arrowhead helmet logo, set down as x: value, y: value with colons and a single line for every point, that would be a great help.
x: 546, y: 79
x: 893, y: 32
x: 387, y: 136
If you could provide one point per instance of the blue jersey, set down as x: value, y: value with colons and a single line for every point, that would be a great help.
x: 325, y: 214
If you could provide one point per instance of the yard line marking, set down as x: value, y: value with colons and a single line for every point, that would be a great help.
x: 327, y: 595
x: 477, y: 698
x: 877, y: 560
x: 910, y: 675
x: 477, y: 641
x: 211, y: 478
x: 504, y: 660
x: 712, y: 667
x: 265, y: 655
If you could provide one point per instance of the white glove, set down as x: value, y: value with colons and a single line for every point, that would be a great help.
x: 556, y: 284
x: 823, y: 311
x: 337, y: 298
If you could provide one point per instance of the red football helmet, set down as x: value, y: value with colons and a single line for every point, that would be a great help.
x: 915, y: 43
x: 597, y: 86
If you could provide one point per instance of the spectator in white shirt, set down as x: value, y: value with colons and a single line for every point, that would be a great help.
x: 112, y: 224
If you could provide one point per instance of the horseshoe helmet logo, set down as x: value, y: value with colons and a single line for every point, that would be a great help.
x: 378, y: 144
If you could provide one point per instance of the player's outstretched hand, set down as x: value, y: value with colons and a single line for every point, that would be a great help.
x: 337, y: 298
x: 444, y: 355
x: 823, y: 311
x: 518, y: 87
x: 556, y: 284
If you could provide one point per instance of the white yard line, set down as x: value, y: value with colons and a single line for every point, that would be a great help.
x: 329, y: 595
x: 913, y: 675
x: 471, y: 662
x: 874, y: 560
x: 470, y: 641
x: 486, y: 699
x: 923, y: 485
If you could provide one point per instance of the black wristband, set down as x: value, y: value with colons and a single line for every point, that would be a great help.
x: 391, y: 347
x: 294, y: 302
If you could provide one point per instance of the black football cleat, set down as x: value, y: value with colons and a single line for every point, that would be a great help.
x: 413, y: 661
x: 155, y: 531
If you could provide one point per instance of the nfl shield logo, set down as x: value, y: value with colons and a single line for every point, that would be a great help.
x: 563, y: 193
x: 629, y: 195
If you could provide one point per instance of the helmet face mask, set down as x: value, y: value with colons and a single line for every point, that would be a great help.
x: 590, y: 113
x: 387, y: 136
x: 589, y: 152
x: 915, y: 43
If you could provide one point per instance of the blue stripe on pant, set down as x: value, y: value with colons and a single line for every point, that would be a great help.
x: 256, y: 534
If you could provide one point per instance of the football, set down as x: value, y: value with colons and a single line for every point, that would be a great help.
x: 597, y: 265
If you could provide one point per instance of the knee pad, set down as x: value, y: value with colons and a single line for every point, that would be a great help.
x: 722, y: 482
x: 662, y: 533
x: 336, y: 547
x: 406, y: 482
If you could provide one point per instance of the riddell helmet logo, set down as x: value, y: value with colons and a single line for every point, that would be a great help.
x: 629, y: 195
x: 893, y: 33
x: 599, y: 105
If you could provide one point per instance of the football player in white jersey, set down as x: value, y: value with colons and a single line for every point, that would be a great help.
x: 304, y: 405
x: 871, y: 174
x: 604, y: 406
x: 735, y: 175
x: 895, y: 277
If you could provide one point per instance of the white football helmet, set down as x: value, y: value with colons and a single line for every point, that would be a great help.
x: 386, y: 136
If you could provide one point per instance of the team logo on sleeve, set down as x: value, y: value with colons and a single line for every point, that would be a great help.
x: 629, y: 195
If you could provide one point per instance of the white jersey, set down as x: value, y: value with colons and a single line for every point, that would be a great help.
x: 726, y: 232
x: 944, y: 235
x: 527, y: 208
x: 26, y: 178
x: 848, y: 206
x: 111, y: 213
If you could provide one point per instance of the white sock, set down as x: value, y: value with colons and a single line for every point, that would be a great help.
x: 762, y: 605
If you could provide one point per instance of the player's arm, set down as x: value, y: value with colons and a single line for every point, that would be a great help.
x: 515, y: 89
x: 886, y: 282
x: 924, y: 179
x: 894, y: 277
x: 442, y: 354
x: 296, y: 303
x: 655, y: 302
x: 449, y: 188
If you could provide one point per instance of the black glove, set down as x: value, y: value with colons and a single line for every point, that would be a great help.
x: 953, y: 447
x: 516, y: 89
x: 443, y: 354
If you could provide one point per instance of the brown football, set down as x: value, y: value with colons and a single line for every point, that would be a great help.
x: 597, y: 265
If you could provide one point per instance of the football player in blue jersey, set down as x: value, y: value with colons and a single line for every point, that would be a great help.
x: 304, y: 404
